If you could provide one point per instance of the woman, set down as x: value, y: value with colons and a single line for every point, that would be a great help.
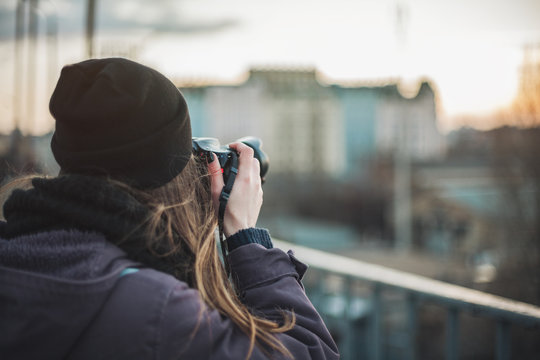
x: 116, y: 257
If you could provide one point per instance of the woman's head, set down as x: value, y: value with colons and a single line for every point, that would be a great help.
x: 124, y: 121
x: 121, y: 119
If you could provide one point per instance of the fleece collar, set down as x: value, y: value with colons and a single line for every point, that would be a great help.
x: 91, y: 204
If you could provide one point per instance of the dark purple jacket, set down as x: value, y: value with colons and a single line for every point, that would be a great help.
x: 73, y: 295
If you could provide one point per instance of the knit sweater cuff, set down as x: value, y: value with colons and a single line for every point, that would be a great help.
x: 249, y: 236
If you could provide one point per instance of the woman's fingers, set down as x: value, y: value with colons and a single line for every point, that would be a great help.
x: 245, y: 201
x: 216, y: 180
x: 249, y: 164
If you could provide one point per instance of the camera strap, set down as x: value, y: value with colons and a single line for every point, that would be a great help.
x: 223, y: 199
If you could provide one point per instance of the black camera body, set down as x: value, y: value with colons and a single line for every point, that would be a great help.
x: 204, y: 146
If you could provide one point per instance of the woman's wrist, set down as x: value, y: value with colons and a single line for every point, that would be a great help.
x: 249, y: 236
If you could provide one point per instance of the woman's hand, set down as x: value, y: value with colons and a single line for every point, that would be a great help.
x: 246, y: 197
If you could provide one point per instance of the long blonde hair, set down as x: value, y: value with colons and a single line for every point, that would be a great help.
x: 186, y: 205
x: 182, y: 221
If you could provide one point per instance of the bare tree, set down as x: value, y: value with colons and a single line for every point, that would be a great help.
x: 515, y: 158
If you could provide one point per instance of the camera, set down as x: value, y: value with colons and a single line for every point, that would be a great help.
x: 204, y: 146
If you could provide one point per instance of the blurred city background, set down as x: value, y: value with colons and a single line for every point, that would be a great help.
x: 401, y: 133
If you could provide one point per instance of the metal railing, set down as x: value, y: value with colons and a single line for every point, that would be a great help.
x: 357, y: 297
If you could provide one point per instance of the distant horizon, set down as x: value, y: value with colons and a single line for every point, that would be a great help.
x: 474, y: 120
x: 470, y: 51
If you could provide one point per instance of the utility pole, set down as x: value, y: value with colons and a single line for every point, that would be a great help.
x: 402, y: 161
x: 33, y: 28
x: 90, y: 25
x: 17, y: 71
x: 402, y: 189
x: 52, y: 50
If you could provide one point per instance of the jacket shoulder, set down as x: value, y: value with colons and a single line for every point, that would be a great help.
x: 129, y: 324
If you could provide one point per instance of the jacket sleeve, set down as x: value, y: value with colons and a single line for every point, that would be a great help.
x: 268, y: 281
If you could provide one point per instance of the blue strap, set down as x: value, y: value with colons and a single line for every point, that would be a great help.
x: 128, y: 271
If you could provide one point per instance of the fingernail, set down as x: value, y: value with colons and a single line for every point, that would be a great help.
x: 210, y: 157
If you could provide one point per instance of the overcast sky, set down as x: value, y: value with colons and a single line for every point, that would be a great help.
x: 470, y: 49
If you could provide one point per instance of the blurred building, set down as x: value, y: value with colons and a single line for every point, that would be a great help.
x: 299, y: 120
x: 380, y: 119
x: 526, y: 108
x: 310, y: 127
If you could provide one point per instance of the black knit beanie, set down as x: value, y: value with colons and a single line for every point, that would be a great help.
x: 118, y: 118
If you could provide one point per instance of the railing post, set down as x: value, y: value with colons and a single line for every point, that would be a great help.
x: 376, y: 323
x: 320, y: 288
x: 502, y: 345
x: 349, y: 345
x: 412, y: 316
x: 452, y: 334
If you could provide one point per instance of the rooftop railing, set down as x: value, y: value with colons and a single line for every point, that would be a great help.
x: 363, y: 302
